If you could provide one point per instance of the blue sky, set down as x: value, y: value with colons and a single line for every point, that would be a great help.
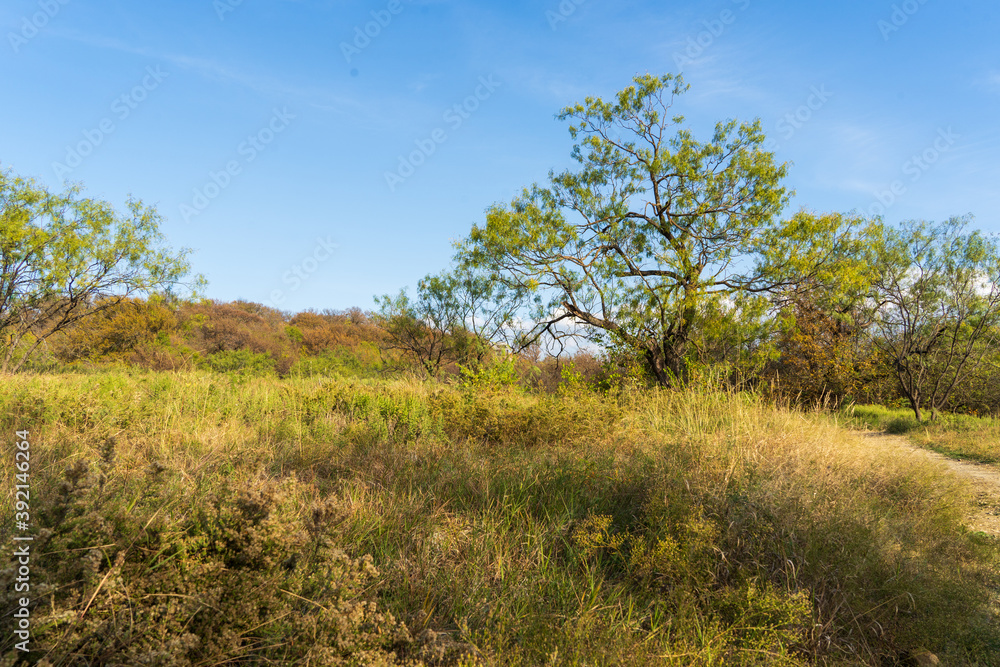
x: 265, y: 142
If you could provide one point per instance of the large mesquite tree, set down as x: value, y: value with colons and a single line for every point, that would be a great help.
x: 652, y: 224
x: 64, y: 258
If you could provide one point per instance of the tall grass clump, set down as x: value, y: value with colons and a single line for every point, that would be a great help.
x: 199, y: 518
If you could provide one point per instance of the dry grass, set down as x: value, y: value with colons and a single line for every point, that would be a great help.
x: 692, y: 528
x: 959, y: 436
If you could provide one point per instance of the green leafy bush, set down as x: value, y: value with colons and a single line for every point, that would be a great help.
x: 509, y: 417
x: 242, y: 363
x: 340, y: 362
x: 495, y: 374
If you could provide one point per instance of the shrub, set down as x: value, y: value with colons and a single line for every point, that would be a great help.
x: 239, y: 362
x: 115, y: 332
x: 212, y: 327
x: 581, y: 368
x: 510, y: 418
x: 333, y: 330
x: 498, y: 373
x: 376, y: 415
x: 164, y: 575
x: 361, y: 361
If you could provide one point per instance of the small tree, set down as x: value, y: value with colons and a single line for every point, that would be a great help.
x: 456, y: 317
x: 821, y: 357
x: 63, y: 258
x: 936, y: 307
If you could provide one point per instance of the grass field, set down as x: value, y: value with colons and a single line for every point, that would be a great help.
x: 198, y: 519
x: 960, y: 436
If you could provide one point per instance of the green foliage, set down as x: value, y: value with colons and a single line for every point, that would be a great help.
x: 497, y: 417
x: 935, y: 307
x: 624, y: 369
x: 231, y: 521
x: 294, y: 334
x: 456, y: 318
x: 571, y: 381
x: 350, y: 330
x: 116, y: 332
x: 652, y: 227
x: 377, y: 415
x: 763, y: 619
x: 362, y: 361
x: 733, y: 339
x: 901, y: 425
x: 497, y: 374
x: 823, y: 359
x: 242, y: 363
x: 66, y: 258
x: 253, y: 575
x: 211, y: 327
x: 581, y: 372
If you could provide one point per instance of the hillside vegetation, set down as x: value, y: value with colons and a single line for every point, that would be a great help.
x: 441, y: 482
x: 197, y: 518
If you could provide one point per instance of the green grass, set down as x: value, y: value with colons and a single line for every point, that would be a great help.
x: 959, y: 436
x: 196, y: 519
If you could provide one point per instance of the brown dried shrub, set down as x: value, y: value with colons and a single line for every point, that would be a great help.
x: 211, y: 327
x: 114, y: 331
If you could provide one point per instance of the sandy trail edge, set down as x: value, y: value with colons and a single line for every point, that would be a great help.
x: 985, y: 481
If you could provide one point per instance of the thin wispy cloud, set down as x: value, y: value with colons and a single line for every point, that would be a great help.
x: 220, y: 71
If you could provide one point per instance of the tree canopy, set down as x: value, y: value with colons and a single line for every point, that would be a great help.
x: 652, y: 224
x: 456, y: 317
x: 64, y: 257
x: 935, y: 306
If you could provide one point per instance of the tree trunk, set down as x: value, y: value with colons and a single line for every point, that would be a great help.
x: 656, y: 359
x: 667, y: 358
x: 676, y: 362
x: 910, y: 388
x: 675, y: 345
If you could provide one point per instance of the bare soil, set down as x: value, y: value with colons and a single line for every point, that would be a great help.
x: 984, y: 478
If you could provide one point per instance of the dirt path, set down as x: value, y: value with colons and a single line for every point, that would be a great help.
x: 985, y: 480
